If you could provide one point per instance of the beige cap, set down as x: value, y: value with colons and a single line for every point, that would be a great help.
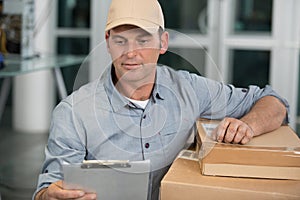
x: 146, y: 14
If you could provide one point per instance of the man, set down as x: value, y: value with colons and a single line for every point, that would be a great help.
x: 137, y: 110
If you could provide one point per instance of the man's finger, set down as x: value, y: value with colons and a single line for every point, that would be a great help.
x: 241, y: 132
x: 56, y: 190
x: 231, y: 132
x: 221, y: 130
x: 245, y: 140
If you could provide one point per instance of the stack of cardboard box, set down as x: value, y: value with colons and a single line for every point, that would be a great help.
x: 268, y: 167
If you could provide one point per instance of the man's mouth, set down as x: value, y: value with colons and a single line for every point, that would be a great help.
x: 131, y: 66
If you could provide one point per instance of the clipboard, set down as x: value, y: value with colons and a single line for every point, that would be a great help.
x: 110, y: 179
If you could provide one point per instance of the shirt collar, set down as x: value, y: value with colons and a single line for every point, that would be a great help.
x: 118, y: 101
x: 156, y: 93
x: 159, y: 83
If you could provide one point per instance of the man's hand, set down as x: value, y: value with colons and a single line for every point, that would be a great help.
x: 266, y: 115
x: 231, y: 130
x: 56, y: 191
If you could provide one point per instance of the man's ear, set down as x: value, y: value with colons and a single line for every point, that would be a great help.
x: 107, y: 42
x: 164, y: 42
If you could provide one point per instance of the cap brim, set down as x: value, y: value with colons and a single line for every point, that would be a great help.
x: 145, y: 25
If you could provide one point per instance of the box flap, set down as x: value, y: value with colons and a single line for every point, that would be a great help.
x: 283, y: 137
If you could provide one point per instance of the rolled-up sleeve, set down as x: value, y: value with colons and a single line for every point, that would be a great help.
x: 218, y: 100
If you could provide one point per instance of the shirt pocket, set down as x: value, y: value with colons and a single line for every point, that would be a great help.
x: 168, y: 133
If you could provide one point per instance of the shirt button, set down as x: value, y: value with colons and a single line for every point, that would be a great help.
x: 244, y: 90
x: 144, y: 117
x: 147, y: 145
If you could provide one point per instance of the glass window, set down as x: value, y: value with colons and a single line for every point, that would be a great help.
x: 74, y: 13
x: 77, y: 46
x: 185, y: 16
x: 192, y: 60
x: 250, y: 67
x: 253, y: 15
x: 73, y: 45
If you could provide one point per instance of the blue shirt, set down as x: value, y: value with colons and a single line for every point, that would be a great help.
x: 97, y: 122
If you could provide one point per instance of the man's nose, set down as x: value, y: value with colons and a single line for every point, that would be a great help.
x: 131, y: 50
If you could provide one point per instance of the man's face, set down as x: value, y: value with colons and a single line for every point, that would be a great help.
x: 135, y: 52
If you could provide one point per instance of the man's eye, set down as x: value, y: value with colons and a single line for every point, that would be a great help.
x: 119, y: 42
x: 142, y: 42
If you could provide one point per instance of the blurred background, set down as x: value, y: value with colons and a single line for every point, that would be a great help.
x: 241, y: 42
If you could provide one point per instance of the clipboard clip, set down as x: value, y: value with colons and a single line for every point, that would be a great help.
x: 92, y: 164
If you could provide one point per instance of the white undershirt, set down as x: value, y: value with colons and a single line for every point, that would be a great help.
x: 140, y: 103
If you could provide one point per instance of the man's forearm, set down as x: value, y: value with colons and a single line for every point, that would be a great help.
x: 266, y: 115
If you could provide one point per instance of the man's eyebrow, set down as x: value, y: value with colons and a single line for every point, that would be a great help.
x: 145, y: 34
x: 118, y: 37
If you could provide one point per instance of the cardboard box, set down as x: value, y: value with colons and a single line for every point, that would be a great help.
x: 184, y: 181
x: 273, y: 155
